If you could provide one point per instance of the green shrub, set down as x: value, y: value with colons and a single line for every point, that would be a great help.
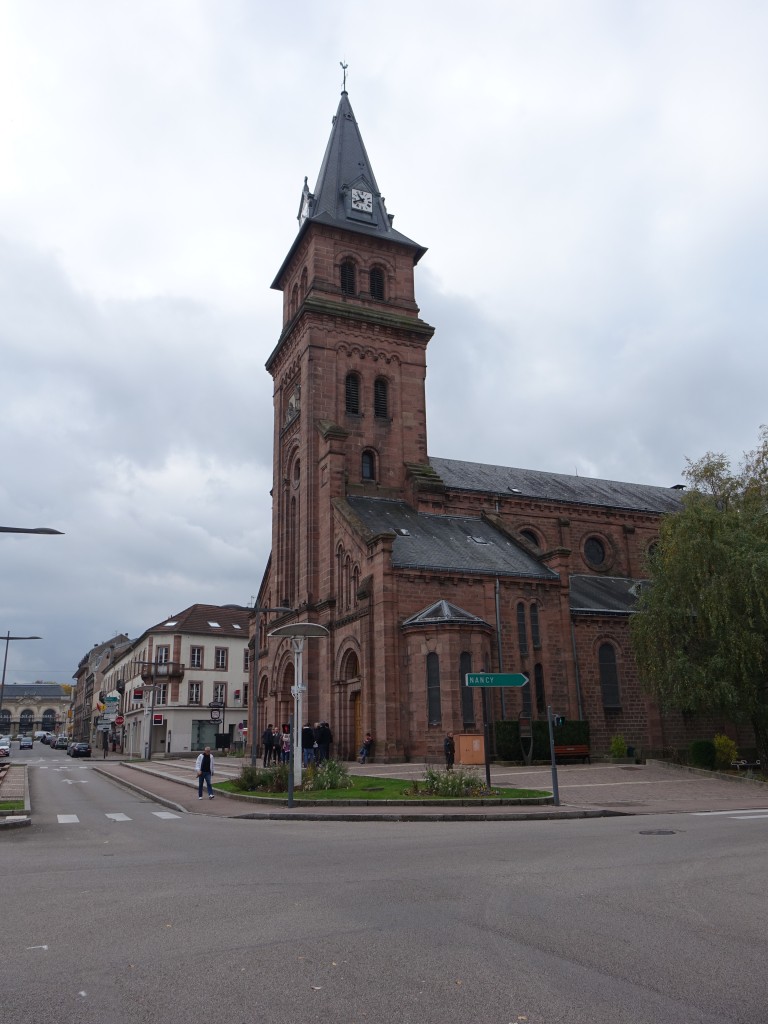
x: 726, y: 751
x: 702, y: 754
x: 508, y: 746
x: 618, y: 746
x: 326, y: 775
x: 456, y: 783
x: 264, y: 780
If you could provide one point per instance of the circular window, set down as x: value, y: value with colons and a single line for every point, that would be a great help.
x: 594, y: 552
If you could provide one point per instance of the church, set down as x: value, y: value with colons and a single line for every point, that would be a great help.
x: 423, y: 569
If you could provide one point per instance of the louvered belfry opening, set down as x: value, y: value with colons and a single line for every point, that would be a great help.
x: 348, y: 278
x: 380, y: 398
x: 352, y: 394
x: 376, y: 283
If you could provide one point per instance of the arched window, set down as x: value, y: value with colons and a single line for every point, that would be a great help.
x: 348, y: 285
x: 376, y: 278
x: 368, y: 465
x: 48, y: 721
x: 381, y: 398
x: 352, y: 394
x: 535, y: 634
x: 26, y: 721
x: 355, y: 585
x: 467, y: 692
x: 609, y: 676
x: 522, y: 633
x: 530, y: 536
x: 434, y: 712
x: 5, y: 721
x: 538, y: 686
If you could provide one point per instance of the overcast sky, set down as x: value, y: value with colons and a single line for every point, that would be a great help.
x: 590, y: 179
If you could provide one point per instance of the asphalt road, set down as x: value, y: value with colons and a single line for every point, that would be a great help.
x: 150, y: 916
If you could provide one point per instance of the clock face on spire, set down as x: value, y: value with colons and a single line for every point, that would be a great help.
x: 362, y: 201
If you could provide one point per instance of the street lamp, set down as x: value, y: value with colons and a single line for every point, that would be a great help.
x: 253, y: 706
x: 297, y: 633
x: 8, y: 639
x: 26, y: 529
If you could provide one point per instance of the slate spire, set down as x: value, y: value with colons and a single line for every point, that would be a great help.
x: 347, y: 194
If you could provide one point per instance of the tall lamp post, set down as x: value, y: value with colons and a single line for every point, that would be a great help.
x: 297, y: 632
x: 35, y: 529
x: 253, y: 703
x: 8, y: 639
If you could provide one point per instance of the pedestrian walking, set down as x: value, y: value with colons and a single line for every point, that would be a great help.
x: 204, y: 769
x: 449, y: 748
x: 105, y: 744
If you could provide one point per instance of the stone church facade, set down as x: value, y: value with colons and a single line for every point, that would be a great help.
x: 423, y: 569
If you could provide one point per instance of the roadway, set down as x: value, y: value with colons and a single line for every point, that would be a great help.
x: 129, y: 915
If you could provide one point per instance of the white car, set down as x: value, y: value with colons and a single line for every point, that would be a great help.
x: 5, y: 747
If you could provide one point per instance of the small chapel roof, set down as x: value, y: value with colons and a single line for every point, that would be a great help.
x: 443, y: 613
x: 446, y: 543
x: 557, y: 487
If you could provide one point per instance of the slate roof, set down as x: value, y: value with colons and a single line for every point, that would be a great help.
x: 346, y: 164
x: 232, y: 620
x: 604, y: 595
x: 443, y: 613
x: 558, y: 487
x: 448, y: 543
x: 53, y: 691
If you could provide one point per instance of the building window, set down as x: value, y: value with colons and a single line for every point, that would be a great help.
x: 381, y: 398
x: 221, y: 659
x: 609, y: 676
x: 467, y: 692
x: 535, y: 634
x: 434, y: 713
x: 348, y: 286
x: 538, y: 686
x: 522, y: 633
x: 194, y: 693
x: 220, y: 692
x: 368, y: 466
x: 376, y: 279
x: 527, y: 701
x: 5, y: 721
x: 48, y: 721
x: 246, y: 660
x: 162, y: 655
x: 245, y: 695
x: 352, y: 394
x: 161, y: 694
x: 594, y: 552
x: 196, y: 657
x: 26, y: 721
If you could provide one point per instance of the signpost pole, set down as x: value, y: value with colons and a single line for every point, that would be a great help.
x: 487, y: 738
x: 555, y: 791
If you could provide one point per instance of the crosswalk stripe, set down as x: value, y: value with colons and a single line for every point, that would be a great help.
x: 757, y: 811
x: 68, y: 819
x: 119, y: 816
x: 165, y: 814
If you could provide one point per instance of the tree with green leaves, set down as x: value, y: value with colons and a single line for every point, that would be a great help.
x: 701, y: 632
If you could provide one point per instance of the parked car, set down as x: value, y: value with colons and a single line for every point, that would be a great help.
x: 5, y: 747
x: 43, y: 736
x: 60, y: 743
x: 79, y: 749
x: 26, y: 743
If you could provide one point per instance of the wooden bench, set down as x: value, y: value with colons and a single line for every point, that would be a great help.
x: 571, y: 751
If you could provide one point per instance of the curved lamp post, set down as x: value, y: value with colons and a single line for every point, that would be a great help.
x: 297, y: 632
x: 25, y: 529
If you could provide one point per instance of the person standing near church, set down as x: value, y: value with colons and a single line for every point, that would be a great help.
x: 204, y: 769
x: 449, y: 748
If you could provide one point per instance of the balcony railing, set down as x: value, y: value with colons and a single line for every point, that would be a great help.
x: 162, y: 671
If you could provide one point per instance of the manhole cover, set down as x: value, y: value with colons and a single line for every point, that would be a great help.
x: 659, y: 832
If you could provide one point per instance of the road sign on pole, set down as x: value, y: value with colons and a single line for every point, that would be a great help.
x: 496, y: 679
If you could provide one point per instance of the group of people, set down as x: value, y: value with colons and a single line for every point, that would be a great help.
x: 315, y: 744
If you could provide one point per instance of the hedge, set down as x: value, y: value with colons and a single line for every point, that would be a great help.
x: 508, y: 746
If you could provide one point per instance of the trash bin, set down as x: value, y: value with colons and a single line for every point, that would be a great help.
x: 470, y: 749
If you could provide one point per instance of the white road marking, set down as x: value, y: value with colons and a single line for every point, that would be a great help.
x: 68, y: 819
x: 119, y: 816
x: 165, y: 815
x: 37, y: 947
x: 753, y: 812
x: 72, y: 782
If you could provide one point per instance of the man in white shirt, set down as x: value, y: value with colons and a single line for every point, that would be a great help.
x: 204, y: 769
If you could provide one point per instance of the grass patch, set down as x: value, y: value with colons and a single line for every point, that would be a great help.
x: 365, y: 787
x: 11, y: 805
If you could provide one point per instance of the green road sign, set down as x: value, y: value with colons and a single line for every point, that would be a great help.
x: 496, y: 679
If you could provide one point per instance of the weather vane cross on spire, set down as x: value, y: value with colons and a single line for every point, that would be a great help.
x: 344, y: 67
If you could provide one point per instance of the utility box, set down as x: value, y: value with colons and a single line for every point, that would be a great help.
x: 470, y: 748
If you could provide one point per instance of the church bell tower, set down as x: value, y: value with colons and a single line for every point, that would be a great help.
x: 349, y: 367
